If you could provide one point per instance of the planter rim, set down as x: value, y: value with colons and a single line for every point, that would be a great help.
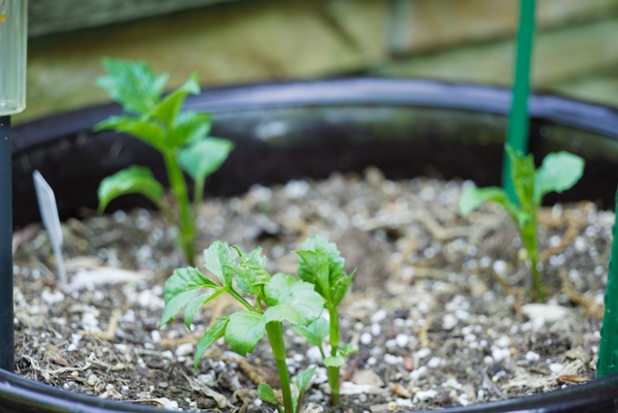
x: 369, y: 92
x: 348, y: 91
x: 575, y: 398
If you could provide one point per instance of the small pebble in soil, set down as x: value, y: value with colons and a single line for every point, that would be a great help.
x: 184, y: 350
x: 402, y: 340
x: 434, y: 362
x: 425, y: 395
x: 532, y: 356
x: 422, y: 353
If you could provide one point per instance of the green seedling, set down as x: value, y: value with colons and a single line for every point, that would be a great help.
x: 321, y: 264
x: 558, y: 172
x: 276, y: 299
x: 180, y: 136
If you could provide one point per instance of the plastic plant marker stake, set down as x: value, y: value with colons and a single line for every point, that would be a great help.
x: 607, y: 362
x: 49, y: 215
x: 517, y: 136
x: 7, y: 336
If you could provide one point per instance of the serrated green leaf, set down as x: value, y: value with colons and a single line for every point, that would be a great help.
x: 167, y: 109
x: 334, y: 361
x: 196, y: 302
x: 244, y: 330
x: 243, y: 287
x: 558, y: 172
x: 292, y: 300
x: 147, y: 131
x: 266, y: 393
x: 132, y: 84
x: 180, y: 288
x: 332, y: 285
x: 219, y: 261
x: 203, y: 158
x: 319, y: 243
x: 341, y: 287
x: 336, y: 262
x: 190, y: 127
x: 192, y: 308
x: 250, y: 280
x: 522, y: 174
x: 314, y: 333
x: 213, y: 334
x: 314, y: 268
x: 256, y: 254
x: 303, y: 379
x: 251, y: 271
x: 347, y: 349
x: 132, y: 180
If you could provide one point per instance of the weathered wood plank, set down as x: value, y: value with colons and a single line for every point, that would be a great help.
x: 52, y: 16
x: 258, y: 40
x: 559, y: 56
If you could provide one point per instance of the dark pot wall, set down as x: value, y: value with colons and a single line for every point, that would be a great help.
x: 309, y: 129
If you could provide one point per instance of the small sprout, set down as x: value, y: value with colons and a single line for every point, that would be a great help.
x: 558, y: 172
x: 266, y: 393
x: 321, y: 264
x: 276, y: 299
x: 181, y: 137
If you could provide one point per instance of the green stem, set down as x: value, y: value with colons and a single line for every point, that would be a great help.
x: 300, y: 399
x: 608, y: 351
x: 242, y: 300
x: 179, y: 189
x: 530, y: 242
x: 334, y: 379
x: 322, y: 352
x: 517, y: 136
x: 539, y: 290
x: 274, y: 329
x: 198, y: 196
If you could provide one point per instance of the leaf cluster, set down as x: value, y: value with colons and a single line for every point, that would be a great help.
x: 322, y: 265
x: 158, y: 120
x: 286, y: 298
x: 558, y: 172
x: 303, y: 379
x: 276, y: 299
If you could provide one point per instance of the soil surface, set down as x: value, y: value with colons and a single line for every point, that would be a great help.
x: 439, y: 309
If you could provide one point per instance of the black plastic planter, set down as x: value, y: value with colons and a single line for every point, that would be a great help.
x: 309, y: 129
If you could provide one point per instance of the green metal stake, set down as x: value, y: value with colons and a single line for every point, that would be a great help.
x: 517, y: 136
x: 608, y: 352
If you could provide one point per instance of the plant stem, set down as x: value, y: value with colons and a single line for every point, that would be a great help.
x: 179, y: 188
x: 608, y: 351
x: 539, y: 290
x: 274, y: 329
x: 198, y: 196
x: 300, y: 398
x: 528, y: 233
x: 242, y: 300
x: 333, y: 372
x: 517, y: 136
